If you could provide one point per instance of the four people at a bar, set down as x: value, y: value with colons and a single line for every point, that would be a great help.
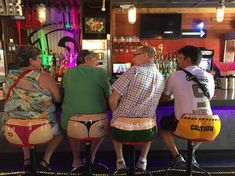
x: 86, y: 90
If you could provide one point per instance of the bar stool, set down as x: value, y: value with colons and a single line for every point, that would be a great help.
x: 197, y: 128
x: 133, y: 131
x: 28, y: 133
x: 88, y: 128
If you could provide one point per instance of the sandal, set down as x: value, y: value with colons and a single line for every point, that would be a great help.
x: 77, y: 166
x: 77, y: 163
x: 45, y: 167
x: 27, y: 165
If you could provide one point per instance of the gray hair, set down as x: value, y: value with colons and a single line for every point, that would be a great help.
x: 149, y: 50
x: 85, y: 54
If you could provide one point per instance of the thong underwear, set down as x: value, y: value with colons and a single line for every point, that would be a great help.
x: 89, y: 123
x: 22, y: 132
x: 88, y: 127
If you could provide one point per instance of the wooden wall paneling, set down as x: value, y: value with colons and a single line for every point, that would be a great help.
x: 123, y: 28
x: 215, y: 30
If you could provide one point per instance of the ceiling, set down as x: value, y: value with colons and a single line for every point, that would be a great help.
x: 137, y: 3
x: 175, y: 3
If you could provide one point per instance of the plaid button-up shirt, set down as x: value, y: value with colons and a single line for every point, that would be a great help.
x: 140, y: 89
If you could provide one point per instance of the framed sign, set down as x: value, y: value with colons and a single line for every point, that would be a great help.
x: 94, y: 25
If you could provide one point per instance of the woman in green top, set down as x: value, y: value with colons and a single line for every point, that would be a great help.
x: 86, y: 91
x: 33, y: 97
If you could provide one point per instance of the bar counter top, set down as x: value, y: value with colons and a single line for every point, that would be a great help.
x: 221, y: 98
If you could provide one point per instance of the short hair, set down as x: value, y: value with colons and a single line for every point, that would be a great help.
x: 149, y: 50
x: 193, y: 52
x: 85, y: 54
x: 24, y: 53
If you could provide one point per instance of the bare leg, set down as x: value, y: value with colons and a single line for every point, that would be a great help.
x: 75, y: 148
x: 94, y: 147
x: 118, y: 150
x: 144, y: 150
x: 169, y: 141
x: 26, y: 155
x: 51, y: 148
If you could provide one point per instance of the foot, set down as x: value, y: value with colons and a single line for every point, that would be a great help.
x: 194, y: 161
x: 77, y: 163
x: 120, y: 164
x: 45, y: 166
x: 27, y: 165
x: 178, y: 161
x: 77, y: 166
x: 142, y: 164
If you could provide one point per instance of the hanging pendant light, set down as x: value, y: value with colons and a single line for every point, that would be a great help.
x: 41, y: 13
x: 103, y: 6
x: 132, y: 14
x: 220, y: 12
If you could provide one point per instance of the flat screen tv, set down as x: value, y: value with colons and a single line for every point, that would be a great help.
x: 207, y: 59
x: 206, y: 64
x: 119, y: 68
x: 160, y: 26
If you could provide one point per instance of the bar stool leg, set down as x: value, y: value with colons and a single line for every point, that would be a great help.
x: 33, y: 160
x: 190, y: 155
x: 132, y: 159
x: 88, y: 157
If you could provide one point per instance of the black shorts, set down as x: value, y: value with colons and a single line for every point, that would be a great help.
x: 169, y: 122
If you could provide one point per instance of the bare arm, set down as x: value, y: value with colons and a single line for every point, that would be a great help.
x: 47, y: 82
x: 113, y: 100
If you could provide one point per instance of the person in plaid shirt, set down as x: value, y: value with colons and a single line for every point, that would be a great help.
x: 136, y: 94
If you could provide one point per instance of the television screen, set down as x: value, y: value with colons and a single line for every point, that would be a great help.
x: 120, y: 67
x: 206, y: 64
x: 160, y: 26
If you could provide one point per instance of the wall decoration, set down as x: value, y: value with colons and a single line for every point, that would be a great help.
x: 94, y: 25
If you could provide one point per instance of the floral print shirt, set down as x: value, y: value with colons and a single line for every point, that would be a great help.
x: 30, y: 100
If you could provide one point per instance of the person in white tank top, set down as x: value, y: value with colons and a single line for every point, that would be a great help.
x: 188, y: 97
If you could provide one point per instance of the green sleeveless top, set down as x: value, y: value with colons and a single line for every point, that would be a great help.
x: 29, y: 102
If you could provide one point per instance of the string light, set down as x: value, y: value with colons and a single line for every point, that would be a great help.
x: 132, y: 14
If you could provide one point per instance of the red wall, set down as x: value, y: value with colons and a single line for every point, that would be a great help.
x: 170, y: 46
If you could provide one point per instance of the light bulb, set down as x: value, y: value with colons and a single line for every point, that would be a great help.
x: 132, y: 14
x: 220, y: 14
x: 41, y: 13
x: 103, y: 6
